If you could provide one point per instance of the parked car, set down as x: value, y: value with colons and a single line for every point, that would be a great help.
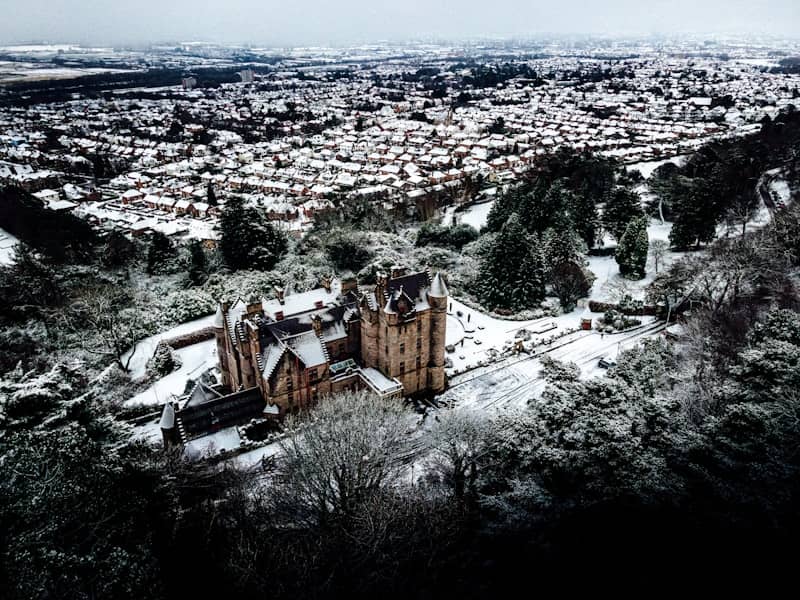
x: 607, y: 362
x: 544, y: 327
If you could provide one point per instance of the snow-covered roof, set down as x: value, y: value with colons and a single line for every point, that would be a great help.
x: 438, y: 287
x: 167, y: 417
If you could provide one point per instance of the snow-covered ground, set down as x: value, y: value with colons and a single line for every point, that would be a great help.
x: 7, y: 244
x: 610, y: 286
x: 475, y: 215
x: 483, y: 334
x: 195, y: 359
x: 146, y: 348
x: 781, y: 188
x: 253, y: 457
x: 646, y: 168
x: 514, y: 381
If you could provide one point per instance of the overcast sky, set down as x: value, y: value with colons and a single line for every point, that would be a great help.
x: 298, y: 22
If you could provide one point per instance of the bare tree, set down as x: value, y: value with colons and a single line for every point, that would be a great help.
x: 345, y: 450
x: 109, y: 323
x: 458, y: 445
x: 658, y: 252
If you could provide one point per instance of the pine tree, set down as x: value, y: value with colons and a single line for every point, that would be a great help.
x: 583, y: 211
x: 631, y: 254
x: 570, y: 282
x: 501, y: 209
x: 621, y: 206
x: 211, y: 195
x: 160, y: 253
x: 561, y: 246
x: 198, y: 263
x: 511, y: 275
x: 695, y: 216
x: 247, y: 239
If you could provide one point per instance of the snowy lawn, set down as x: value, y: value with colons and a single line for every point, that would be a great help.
x: 514, y: 381
x: 475, y: 215
x: 144, y: 349
x: 483, y: 334
x: 7, y: 244
x: 610, y: 286
x: 196, y: 359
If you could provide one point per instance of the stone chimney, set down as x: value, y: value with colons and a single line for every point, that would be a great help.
x: 280, y: 294
x: 398, y: 271
x: 380, y: 287
x: 316, y: 323
x: 254, y: 308
x: 326, y: 283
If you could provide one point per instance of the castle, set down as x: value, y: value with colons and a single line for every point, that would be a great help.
x: 281, y: 355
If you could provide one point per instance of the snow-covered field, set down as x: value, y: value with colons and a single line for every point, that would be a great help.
x: 646, y: 168
x: 475, y: 215
x: 144, y: 350
x: 7, y: 244
x: 484, y: 334
x: 209, y: 445
x: 195, y: 359
x: 514, y: 381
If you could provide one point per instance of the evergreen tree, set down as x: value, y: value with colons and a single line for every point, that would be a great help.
x: 248, y: 240
x: 561, y: 246
x: 164, y: 361
x: 621, y: 206
x: 541, y: 207
x: 631, y: 254
x: 585, y: 218
x: 28, y: 282
x: 211, y: 195
x: 198, y: 263
x: 501, y: 210
x: 118, y: 250
x: 512, y: 271
x: 160, y: 253
x: 695, y: 216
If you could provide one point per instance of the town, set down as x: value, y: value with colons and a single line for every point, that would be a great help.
x: 443, y: 126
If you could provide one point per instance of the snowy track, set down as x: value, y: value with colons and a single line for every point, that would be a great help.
x: 514, y: 383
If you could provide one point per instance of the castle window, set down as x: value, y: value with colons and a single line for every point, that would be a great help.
x: 402, y: 348
x: 402, y: 368
x: 312, y: 374
x: 418, y: 363
x: 419, y: 343
x: 289, y: 384
x: 386, y: 349
x: 341, y: 348
x: 419, y: 325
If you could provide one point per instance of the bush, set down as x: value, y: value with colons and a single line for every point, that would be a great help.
x: 188, y: 305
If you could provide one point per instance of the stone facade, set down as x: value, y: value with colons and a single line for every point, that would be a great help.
x: 296, y: 348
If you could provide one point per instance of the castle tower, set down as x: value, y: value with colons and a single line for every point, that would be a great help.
x: 169, y: 433
x: 437, y: 299
x: 222, y: 347
x: 370, y: 334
